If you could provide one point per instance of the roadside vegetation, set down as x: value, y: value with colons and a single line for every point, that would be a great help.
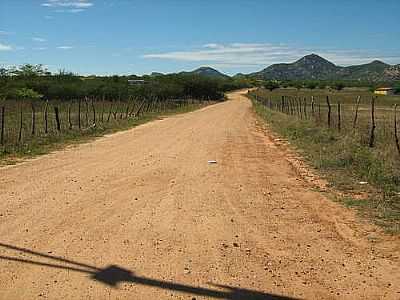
x: 354, y: 148
x: 40, y: 110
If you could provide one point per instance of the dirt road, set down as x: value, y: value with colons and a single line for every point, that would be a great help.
x: 141, y: 214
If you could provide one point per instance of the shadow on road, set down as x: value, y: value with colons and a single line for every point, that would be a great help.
x: 114, y: 275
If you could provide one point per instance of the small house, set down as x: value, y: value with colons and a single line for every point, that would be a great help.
x: 386, y: 91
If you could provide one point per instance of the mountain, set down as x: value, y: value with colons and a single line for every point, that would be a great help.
x: 239, y: 75
x: 208, y: 72
x: 374, y: 71
x: 156, y: 74
x: 392, y: 72
x: 313, y: 66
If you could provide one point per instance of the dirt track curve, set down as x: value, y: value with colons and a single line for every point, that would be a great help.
x: 141, y: 214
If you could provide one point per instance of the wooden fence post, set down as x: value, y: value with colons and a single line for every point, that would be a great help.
x: 312, y: 106
x: 115, y: 112
x: 156, y: 104
x: 69, y: 117
x: 287, y: 105
x: 46, y: 119
x: 356, y: 112
x: 305, y: 108
x: 57, y: 118
x: 3, y: 115
x: 121, y: 110
x: 294, y: 107
x: 94, y: 113
x: 339, y: 125
x: 20, y: 124
x: 146, y: 106
x: 319, y: 110
x: 127, y: 110
x: 33, y: 118
x: 160, y: 104
x: 110, y: 112
x: 373, y: 126
x: 151, y: 107
x: 300, y: 108
x: 396, y: 137
x: 87, y: 112
x: 102, y: 110
x: 329, y: 111
x: 132, y: 110
x: 79, y: 114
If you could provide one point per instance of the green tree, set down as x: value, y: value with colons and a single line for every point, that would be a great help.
x: 25, y: 93
x: 29, y: 70
x: 311, y: 85
x: 338, y: 86
x: 271, y: 85
x: 372, y: 87
x: 322, y: 85
x: 297, y: 84
x: 397, y: 88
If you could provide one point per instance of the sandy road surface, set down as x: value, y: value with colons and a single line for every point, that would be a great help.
x: 142, y: 215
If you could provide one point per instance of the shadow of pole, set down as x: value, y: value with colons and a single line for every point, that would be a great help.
x: 114, y: 275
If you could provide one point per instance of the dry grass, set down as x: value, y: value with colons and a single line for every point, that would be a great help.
x: 42, y: 142
x: 344, y: 157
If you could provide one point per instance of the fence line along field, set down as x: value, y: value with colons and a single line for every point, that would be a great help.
x: 39, y: 108
x: 26, y: 126
x: 346, y: 111
x: 352, y: 136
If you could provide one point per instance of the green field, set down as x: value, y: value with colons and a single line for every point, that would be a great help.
x: 345, y: 157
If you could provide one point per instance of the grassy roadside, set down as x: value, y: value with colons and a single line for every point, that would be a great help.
x: 345, y: 163
x: 44, y: 145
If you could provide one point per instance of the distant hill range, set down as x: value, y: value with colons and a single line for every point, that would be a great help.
x: 206, y: 71
x: 156, y: 74
x: 314, y: 67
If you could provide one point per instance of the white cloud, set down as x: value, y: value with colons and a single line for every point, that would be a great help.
x: 4, y: 47
x: 65, y: 47
x: 2, y: 32
x: 68, y: 6
x: 38, y: 39
x: 75, y: 10
x: 68, y: 3
x: 39, y: 48
x: 72, y: 10
x: 211, y: 46
x: 263, y: 54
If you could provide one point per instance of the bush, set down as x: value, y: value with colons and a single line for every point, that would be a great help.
x: 338, y: 86
x: 311, y: 85
x: 271, y: 85
x: 397, y: 88
x: 68, y: 86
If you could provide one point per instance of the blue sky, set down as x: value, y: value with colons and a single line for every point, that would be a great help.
x: 138, y: 36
